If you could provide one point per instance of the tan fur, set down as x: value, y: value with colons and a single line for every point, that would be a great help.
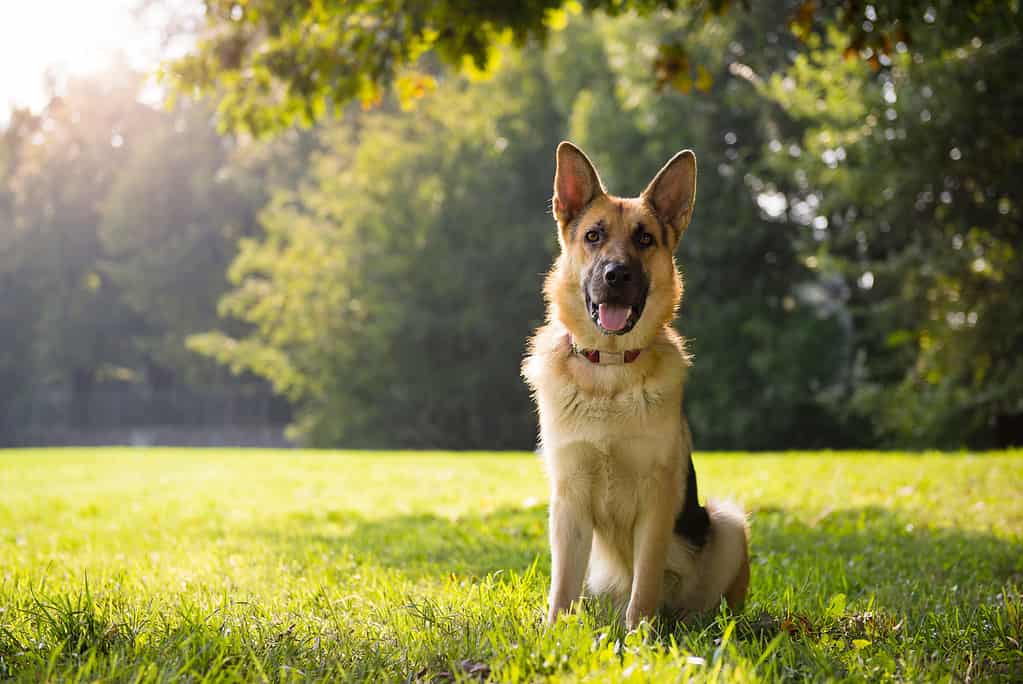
x: 613, y: 437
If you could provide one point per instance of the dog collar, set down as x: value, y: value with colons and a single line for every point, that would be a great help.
x: 605, y: 358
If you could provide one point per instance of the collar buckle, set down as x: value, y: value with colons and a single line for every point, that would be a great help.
x: 605, y: 358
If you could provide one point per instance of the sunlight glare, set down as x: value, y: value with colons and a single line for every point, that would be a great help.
x: 65, y: 37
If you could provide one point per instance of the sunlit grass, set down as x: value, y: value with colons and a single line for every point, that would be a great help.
x: 141, y: 565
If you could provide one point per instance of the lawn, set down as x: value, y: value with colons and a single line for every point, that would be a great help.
x: 196, y: 565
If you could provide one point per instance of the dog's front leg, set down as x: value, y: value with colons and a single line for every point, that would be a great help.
x: 651, y: 537
x: 571, y: 538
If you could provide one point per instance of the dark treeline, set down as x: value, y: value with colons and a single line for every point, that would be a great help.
x: 851, y: 270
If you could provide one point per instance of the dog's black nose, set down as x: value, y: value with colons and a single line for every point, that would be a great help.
x: 616, y: 275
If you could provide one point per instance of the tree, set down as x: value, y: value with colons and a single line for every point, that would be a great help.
x: 117, y: 222
x: 908, y: 180
x: 62, y: 174
x: 392, y: 293
x: 17, y: 304
x: 168, y: 227
x: 763, y: 353
x: 271, y: 63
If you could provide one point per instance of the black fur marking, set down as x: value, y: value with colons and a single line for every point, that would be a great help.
x: 693, y: 523
x: 660, y: 221
x: 638, y: 233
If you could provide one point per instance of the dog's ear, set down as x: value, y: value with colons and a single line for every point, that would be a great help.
x: 576, y: 182
x: 672, y: 192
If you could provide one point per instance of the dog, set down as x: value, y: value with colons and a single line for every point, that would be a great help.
x: 607, y: 372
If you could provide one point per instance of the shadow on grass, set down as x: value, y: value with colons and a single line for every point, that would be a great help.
x: 882, y: 552
x: 870, y: 551
x: 942, y: 585
x: 420, y: 544
x: 868, y: 574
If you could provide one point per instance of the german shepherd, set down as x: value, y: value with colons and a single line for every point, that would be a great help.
x: 607, y: 372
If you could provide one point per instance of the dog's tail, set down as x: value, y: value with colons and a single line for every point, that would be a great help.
x: 727, y: 558
x: 700, y: 576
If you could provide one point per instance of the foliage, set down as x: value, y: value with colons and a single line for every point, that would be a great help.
x: 167, y: 253
x: 909, y: 179
x: 65, y: 304
x: 760, y: 349
x: 161, y: 565
x: 851, y: 270
x: 790, y: 350
x: 272, y: 63
x: 391, y: 294
x: 352, y: 321
x: 116, y: 227
x: 16, y: 305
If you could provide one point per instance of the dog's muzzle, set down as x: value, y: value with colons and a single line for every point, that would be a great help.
x: 615, y: 295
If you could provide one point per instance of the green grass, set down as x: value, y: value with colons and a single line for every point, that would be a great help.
x: 144, y: 565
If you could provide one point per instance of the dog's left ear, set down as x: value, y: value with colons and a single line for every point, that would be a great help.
x: 672, y: 192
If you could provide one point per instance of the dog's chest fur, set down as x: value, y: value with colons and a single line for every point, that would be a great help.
x: 580, y: 401
x: 607, y: 430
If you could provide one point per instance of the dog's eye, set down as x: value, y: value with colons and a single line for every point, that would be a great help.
x: 592, y: 236
x: 645, y: 239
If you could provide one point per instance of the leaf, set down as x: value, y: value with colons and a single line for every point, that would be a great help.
x: 802, y: 23
x: 412, y: 87
x: 899, y: 338
x: 482, y: 67
x: 704, y: 80
x: 682, y: 82
x: 672, y: 67
x: 556, y: 19
x: 860, y: 644
x: 836, y: 605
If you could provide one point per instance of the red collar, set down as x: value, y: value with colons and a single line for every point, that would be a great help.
x: 605, y: 358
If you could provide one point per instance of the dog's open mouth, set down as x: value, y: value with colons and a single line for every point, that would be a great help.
x: 614, y: 319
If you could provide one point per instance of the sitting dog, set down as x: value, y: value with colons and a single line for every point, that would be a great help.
x: 607, y: 372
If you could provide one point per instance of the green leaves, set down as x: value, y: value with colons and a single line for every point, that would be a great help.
x: 275, y: 63
x: 672, y: 68
x: 836, y: 606
x: 390, y: 291
x: 906, y: 172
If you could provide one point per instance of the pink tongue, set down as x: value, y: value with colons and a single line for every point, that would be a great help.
x: 613, y: 318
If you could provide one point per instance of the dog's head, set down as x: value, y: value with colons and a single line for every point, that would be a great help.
x: 615, y: 284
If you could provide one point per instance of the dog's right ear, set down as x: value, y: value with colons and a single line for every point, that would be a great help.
x: 576, y: 183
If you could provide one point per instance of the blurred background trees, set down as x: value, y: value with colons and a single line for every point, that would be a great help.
x: 850, y: 272
x: 118, y: 222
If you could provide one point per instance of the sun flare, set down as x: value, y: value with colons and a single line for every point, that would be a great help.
x: 65, y: 37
